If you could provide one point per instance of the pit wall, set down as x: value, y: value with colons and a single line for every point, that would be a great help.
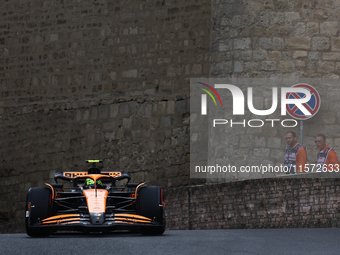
x: 262, y: 203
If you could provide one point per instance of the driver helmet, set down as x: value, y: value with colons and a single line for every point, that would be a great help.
x: 89, y: 183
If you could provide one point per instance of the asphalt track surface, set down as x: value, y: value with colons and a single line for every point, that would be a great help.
x: 234, y: 241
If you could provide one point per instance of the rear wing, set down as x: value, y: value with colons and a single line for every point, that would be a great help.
x: 69, y: 176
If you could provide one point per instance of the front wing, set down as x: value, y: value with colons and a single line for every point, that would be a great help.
x: 82, y: 222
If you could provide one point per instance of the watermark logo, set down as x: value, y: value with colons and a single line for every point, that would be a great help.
x: 309, y: 108
x: 301, y: 101
x: 238, y: 125
x: 204, y: 97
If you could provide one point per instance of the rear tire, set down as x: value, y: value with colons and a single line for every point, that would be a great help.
x: 40, y: 208
x: 150, y: 205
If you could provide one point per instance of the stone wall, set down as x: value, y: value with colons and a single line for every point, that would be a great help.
x: 266, y: 203
x: 275, y: 38
x: 295, y: 40
x: 96, y: 80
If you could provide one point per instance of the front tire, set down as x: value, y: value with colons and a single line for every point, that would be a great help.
x: 151, y: 205
x: 39, y: 201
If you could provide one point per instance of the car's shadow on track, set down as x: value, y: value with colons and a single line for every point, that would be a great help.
x: 117, y: 234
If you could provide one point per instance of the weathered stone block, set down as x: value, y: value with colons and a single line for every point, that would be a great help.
x: 274, y: 142
x: 312, y: 28
x: 262, y: 18
x: 278, y: 43
x: 109, y: 135
x: 326, y: 66
x: 299, y: 54
x: 78, y: 115
x: 250, y: 66
x: 265, y: 43
x: 335, y: 44
x: 277, y: 18
x: 278, y: 154
x: 320, y: 43
x: 124, y: 108
x: 235, y: 21
x: 242, y: 43
x: 113, y: 76
x: 223, y: 67
x: 284, y: 31
x: 130, y: 73
x: 127, y: 122
x: 110, y: 125
x: 260, y: 142
x: 181, y: 106
x: 260, y: 55
x: 149, y: 92
x: 165, y: 121
x: 330, y: 28
x: 196, y: 69
x: 298, y: 43
x: 268, y: 65
x: 54, y: 37
x: 238, y: 66
x: 94, y: 113
x: 246, y: 55
x: 103, y: 111
x: 170, y: 107
x: 320, y: 14
x: 291, y: 17
x: 223, y: 46
x: 337, y: 67
x: 261, y: 152
x: 331, y: 56
x: 299, y: 29
x: 148, y: 110
x: 275, y: 55
x: 286, y: 66
x: 114, y: 110
x: 314, y: 55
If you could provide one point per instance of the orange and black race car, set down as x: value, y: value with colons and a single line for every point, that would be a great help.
x: 94, y: 201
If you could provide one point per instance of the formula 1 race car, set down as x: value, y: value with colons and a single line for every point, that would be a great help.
x: 94, y: 202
